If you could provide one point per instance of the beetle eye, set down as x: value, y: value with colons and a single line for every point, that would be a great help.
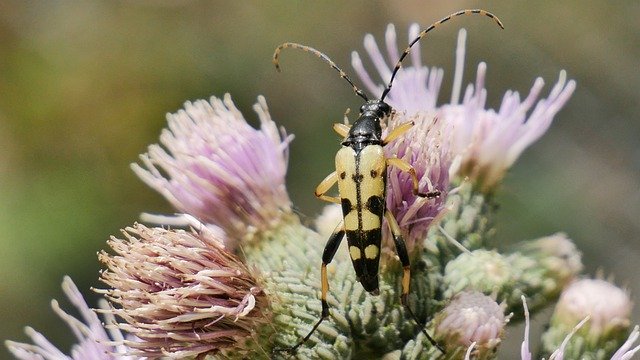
x: 385, y: 108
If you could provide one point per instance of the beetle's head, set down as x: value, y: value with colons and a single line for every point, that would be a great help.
x: 375, y: 108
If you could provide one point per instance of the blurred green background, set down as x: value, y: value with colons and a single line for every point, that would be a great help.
x: 85, y: 85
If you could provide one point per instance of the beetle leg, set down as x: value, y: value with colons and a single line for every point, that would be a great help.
x: 341, y: 129
x: 325, y: 185
x: 406, y: 167
x: 327, y: 255
x: 395, y: 133
x: 346, y: 117
x: 401, y: 249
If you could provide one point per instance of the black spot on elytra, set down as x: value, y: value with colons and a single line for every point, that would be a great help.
x: 375, y: 204
x: 343, y: 175
x: 357, y: 178
x: 374, y: 173
x: 346, y: 206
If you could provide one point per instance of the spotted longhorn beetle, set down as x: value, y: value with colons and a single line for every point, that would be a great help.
x: 361, y: 168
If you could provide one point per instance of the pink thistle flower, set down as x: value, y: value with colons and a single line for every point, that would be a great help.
x: 216, y: 167
x: 625, y: 352
x: 94, y: 341
x: 181, y: 293
x: 426, y: 150
x: 472, y: 317
x: 608, y: 306
x: 484, y: 141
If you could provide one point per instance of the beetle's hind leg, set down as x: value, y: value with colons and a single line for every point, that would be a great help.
x: 401, y: 249
x: 327, y: 256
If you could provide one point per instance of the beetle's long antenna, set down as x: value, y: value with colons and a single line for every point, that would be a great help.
x: 323, y: 57
x: 425, y: 31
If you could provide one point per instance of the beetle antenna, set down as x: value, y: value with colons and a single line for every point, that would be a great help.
x: 425, y: 31
x: 323, y: 57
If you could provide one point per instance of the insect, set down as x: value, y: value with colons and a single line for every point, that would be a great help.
x: 360, y: 173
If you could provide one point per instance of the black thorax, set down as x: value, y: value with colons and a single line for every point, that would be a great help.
x: 366, y: 130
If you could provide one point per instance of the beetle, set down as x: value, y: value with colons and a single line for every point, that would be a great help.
x: 361, y: 168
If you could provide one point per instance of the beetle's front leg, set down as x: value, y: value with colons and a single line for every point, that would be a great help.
x: 341, y: 129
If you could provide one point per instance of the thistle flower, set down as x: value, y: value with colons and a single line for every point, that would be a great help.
x: 471, y: 317
x: 625, y: 352
x: 606, y: 306
x: 94, y: 341
x: 180, y: 293
x: 425, y: 148
x: 486, y: 142
x: 218, y: 168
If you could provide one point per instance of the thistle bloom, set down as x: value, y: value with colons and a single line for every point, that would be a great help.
x: 425, y: 148
x: 471, y: 317
x: 94, y: 341
x: 486, y: 142
x: 218, y: 168
x: 608, y: 306
x: 625, y: 352
x: 180, y: 293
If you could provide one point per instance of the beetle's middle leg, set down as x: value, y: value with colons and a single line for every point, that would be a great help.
x: 401, y: 249
x: 324, y: 187
x: 406, y: 167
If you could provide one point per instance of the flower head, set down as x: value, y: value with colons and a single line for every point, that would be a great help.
x: 486, y: 142
x: 425, y: 149
x: 94, y: 341
x: 182, y: 294
x: 471, y: 317
x: 216, y: 167
x: 624, y: 352
x: 608, y: 306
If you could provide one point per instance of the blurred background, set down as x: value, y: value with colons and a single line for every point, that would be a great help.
x: 85, y: 85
